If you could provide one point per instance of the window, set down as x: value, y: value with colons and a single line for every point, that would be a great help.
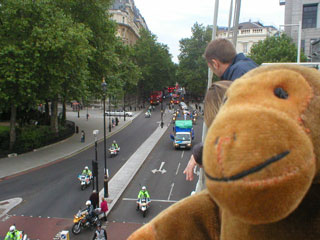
x: 245, y: 47
x: 309, y: 16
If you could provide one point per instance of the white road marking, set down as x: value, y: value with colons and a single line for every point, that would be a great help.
x: 160, y: 169
x: 182, y: 154
x: 152, y: 200
x: 172, y: 185
x: 178, y: 168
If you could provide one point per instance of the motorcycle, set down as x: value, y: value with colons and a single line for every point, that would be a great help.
x: 147, y: 115
x: 81, y: 222
x: 144, y: 204
x: 85, y: 181
x: 23, y: 236
x: 174, y: 119
x: 114, y: 151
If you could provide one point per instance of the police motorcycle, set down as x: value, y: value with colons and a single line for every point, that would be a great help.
x: 81, y: 221
x: 113, y: 150
x: 144, y: 204
x: 85, y: 181
x: 147, y: 114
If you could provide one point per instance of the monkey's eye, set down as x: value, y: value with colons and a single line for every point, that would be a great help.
x: 281, y: 93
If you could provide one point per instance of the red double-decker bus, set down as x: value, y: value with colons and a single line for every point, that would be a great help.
x: 171, y: 89
x: 156, y: 97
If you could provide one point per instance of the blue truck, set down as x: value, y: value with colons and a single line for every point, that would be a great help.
x: 183, y: 134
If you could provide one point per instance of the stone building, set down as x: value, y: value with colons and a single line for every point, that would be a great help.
x: 128, y: 19
x: 306, y: 11
x: 249, y: 33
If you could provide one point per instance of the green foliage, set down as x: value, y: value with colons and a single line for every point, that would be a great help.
x: 102, y: 60
x: 4, y: 129
x: 193, y: 69
x: 275, y: 49
x: 155, y: 62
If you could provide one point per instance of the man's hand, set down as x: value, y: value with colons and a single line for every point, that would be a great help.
x: 189, y: 169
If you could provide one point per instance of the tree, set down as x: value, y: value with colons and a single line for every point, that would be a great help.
x: 278, y: 48
x: 155, y: 62
x: 193, y: 69
x: 102, y: 60
x: 40, y: 48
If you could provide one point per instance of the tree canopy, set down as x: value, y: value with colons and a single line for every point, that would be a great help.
x: 278, y: 48
x: 193, y: 69
x: 155, y: 63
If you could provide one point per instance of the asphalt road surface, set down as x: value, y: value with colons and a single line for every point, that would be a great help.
x: 162, y: 174
x: 53, y: 192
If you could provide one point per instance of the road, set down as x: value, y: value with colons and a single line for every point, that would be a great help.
x: 54, y: 191
x: 165, y: 188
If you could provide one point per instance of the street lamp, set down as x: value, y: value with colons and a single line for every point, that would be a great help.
x: 162, y: 112
x: 95, y: 163
x: 109, y: 116
x: 299, y: 37
x: 105, y: 180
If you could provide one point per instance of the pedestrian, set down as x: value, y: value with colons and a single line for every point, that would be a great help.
x: 117, y: 121
x: 94, y: 198
x: 104, y: 207
x: 83, y: 136
x: 112, y: 122
x: 213, y: 101
x: 224, y: 61
x: 100, y: 233
x: 88, y: 116
x: 197, y: 106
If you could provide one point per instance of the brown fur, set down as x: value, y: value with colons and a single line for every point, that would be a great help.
x: 280, y: 200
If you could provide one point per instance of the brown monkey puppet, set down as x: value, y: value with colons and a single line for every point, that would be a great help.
x: 261, y: 159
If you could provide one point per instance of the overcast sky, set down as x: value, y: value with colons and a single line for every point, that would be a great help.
x: 171, y: 20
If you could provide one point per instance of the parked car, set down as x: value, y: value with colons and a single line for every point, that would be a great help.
x: 119, y: 113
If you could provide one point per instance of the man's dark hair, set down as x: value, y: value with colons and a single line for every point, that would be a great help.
x: 221, y: 49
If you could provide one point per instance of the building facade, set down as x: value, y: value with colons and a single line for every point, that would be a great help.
x: 249, y: 33
x: 306, y: 11
x: 128, y: 19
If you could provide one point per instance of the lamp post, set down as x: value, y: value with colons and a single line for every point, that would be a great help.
x: 162, y: 112
x: 109, y: 116
x: 105, y: 180
x: 95, y: 163
x: 124, y: 106
x: 299, y: 37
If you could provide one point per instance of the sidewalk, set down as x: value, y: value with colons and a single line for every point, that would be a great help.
x: 66, y: 148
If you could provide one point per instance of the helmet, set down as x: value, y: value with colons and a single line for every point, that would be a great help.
x: 114, y: 141
x: 86, y: 168
x: 144, y: 188
x: 88, y: 203
x: 12, y: 228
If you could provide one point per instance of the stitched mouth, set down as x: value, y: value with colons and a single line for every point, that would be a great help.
x: 251, y: 170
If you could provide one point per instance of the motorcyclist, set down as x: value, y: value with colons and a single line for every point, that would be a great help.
x: 86, y: 171
x: 143, y: 194
x: 13, y: 234
x: 90, y: 211
x: 114, y: 145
